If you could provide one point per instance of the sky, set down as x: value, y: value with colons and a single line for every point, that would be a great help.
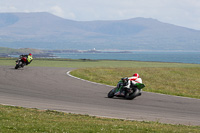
x: 184, y: 13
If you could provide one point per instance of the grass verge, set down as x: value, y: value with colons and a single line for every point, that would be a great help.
x: 22, y: 120
x: 70, y: 63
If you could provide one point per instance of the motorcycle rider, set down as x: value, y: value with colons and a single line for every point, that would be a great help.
x: 29, y: 58
x: 130, y: 81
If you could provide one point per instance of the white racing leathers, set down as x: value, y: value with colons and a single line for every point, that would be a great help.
x: 134, y: 80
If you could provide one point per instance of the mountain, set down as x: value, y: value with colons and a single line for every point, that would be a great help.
x: 46, y: 31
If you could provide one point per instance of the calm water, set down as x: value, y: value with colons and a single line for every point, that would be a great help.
x: 182, y: 57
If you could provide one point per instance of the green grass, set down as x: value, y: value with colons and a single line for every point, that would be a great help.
x: 94, y: 63
x: 22, y: 120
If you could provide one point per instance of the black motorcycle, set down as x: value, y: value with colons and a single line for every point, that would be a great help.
x: 21, y: 62
x: 128, y: 93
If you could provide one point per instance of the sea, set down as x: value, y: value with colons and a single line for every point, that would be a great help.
x: 179, y: 57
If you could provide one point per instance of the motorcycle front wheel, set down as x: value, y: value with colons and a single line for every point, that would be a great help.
x: 111, y: 93
x: 17, y: 66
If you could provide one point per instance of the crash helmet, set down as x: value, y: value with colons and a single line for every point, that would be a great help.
x: 30, y: 54
x: 136, y: 75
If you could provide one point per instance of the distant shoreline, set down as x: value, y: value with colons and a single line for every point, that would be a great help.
x: 50, y: 53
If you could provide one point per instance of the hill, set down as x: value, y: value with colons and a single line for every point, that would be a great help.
x: 46, y: 31
x: 10, y: 52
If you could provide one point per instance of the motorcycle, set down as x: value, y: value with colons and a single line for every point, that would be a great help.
x: 21, y: 62
x: 128, y: 93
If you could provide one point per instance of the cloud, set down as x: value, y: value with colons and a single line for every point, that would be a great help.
x: 8, y: 9
x: 56, y: 10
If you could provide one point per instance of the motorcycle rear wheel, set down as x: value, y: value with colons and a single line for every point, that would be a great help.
x: 132, y: 95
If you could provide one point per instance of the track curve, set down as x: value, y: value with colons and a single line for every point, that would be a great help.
x: 51, y: 88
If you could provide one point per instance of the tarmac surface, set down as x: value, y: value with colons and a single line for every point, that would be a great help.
x: 51, y: 88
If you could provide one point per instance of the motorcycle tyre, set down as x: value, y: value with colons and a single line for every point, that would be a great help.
x: 133, y: 95
x: 17, y: 66
x: 111, y: 93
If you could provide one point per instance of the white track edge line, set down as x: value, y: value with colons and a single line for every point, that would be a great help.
x: 68, y: 73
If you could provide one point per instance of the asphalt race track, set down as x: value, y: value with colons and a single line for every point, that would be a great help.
x: 51, y: 88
